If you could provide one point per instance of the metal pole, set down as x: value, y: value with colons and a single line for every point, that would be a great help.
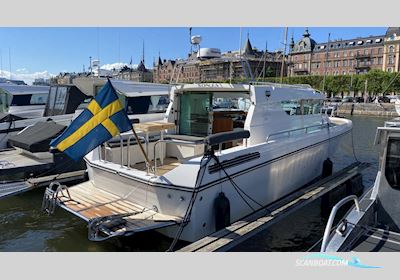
x: 326, y: 62
x: 283, y: 55
x: 148, y: 163
x: 9, y: 61
x: 265, y: 59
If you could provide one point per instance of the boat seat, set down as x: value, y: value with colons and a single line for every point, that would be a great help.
x: 222, y: 137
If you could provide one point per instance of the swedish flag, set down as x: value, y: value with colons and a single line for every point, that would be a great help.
x: 104, y: 118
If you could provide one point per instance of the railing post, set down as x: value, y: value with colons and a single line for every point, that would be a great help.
x: 332, y: 218
x: 121, y: 145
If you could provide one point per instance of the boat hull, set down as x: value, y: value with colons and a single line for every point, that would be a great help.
x: 280, y: 169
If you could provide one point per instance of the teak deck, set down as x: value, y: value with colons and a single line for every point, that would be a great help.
x: 89, y: 202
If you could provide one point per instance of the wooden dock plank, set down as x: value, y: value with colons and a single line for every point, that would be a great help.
x: 243, y: 229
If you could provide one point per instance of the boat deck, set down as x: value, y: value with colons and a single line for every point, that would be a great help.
x: 169, y: 164
x: 89, y: 202
x: 13, y: 161
x: 377, y: 240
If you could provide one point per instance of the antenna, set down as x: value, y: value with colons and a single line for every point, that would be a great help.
x: 326, y: 63
x: 1, y: 63
x: 240, y: 44
x: 119, y: 47
x: 9, y: 61
x: 143, y: 53
x: 284, y: 54
x: 190, y: 40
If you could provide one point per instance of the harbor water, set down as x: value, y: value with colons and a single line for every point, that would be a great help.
x: 23, y: 227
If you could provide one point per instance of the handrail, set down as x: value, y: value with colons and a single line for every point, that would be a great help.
x: 335, y: 208
x: 128, y: 161
x: 324, y: 125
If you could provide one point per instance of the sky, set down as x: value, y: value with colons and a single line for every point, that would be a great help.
x: 42, y: 52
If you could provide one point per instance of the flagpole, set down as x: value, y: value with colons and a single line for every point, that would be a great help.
x: 148, y: 163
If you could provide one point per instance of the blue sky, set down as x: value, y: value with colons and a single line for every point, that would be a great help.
x: 44, y: 51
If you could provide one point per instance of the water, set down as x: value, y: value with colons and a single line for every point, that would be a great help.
x: 23, y: 227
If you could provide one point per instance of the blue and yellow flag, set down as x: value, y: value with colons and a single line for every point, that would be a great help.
x: 104, y: 118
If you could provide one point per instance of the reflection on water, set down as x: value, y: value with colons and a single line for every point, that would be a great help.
x: 23, y: 227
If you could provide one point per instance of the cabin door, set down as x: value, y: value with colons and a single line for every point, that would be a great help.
x: 194, y: 118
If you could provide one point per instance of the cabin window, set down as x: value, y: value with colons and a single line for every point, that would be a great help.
x: 60, y: 99
x: 302, y: 107
x: 28, y: 99
x: 392, y: 168
x: 146, y: 104
x: 194, y: 113
x: 52, y: 98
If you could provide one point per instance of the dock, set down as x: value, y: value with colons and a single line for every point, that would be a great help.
x: 17, y: 187
x: 238, y: 232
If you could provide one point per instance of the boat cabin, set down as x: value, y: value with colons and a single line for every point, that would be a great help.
x: 65, y: 99
x: 219, y: 116
x: 139, y: 98
x: 22, y: 100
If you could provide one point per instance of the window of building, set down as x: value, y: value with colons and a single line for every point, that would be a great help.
x: 389, y: 69
x: 379, y: 60
x: 390, y: 59
x: 380, y: 50
x: 391, y: 49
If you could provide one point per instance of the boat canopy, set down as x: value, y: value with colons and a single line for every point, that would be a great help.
x: 23, y: 89
x: 90, y: 86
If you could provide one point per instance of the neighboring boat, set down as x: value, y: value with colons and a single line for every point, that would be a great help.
x: 22, y: 101
x: 60, y: 104
x: 373, y: 224
x: 215, y: 165
x: 30, y: 157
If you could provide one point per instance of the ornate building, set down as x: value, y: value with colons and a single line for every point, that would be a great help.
x: 343, y: 57
x: 232, y: 65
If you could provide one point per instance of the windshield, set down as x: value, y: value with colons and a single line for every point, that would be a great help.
x: 146, y: 104
x: 28, y: 99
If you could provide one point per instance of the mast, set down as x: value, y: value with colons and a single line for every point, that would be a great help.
x: 143, y: 52
x: 326, y: 63
x: 265, y: 59
x: 9, y: 61
x: 190, y: 41
x: 284, y: 54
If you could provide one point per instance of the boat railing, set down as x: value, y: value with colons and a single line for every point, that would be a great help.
x: 108, y: 148
x: 332, y: 216
x: 306, y: 130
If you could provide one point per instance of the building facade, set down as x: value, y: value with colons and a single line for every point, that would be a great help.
x: 249, y: 63
x: 345, y: 57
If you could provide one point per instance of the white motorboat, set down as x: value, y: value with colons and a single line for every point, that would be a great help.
x: 373, y: 224
x: 214, y: 164
x: 22, y: 101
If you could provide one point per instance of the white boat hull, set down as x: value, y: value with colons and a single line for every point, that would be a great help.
x: 280, y: 169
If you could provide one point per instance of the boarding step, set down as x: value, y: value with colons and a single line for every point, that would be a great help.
x: 109, y: 215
